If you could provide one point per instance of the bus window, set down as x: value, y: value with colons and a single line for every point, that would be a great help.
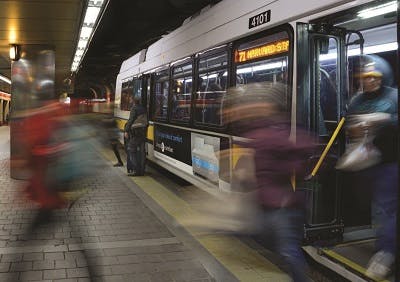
x: 181, y: 92
x: 326, y: 99
x: 147, y: 88
x: 211, y: 87
x: 161, y: 90
x: 265, y: 59
x: 126, y: 93
x: 137, y: 88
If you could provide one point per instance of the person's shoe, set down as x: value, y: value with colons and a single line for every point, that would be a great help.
x: 118, y: 164
x: 380, y: 265
x: 131, y: 173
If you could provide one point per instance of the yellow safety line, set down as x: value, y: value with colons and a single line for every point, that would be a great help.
x: 328, y: 146
x: 349, y: 263
x: 242, y: 261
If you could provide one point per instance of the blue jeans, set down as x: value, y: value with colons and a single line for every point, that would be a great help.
x: 381, y: 182
x: 139, y: 159
x: 129, y: 163
x: 136, y: 158
x: 384, y: 199
x: 285, y: 229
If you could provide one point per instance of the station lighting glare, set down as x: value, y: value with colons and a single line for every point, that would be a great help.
x: 378, y: 10
x: 91, y: 19
x: 5, y: 79
x: 14, y: 52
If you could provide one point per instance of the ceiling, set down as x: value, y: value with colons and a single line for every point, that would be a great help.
x: 127, y: 27
x: 46, y: 22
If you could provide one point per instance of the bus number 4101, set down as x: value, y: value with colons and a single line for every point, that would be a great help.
x: 260, y: 19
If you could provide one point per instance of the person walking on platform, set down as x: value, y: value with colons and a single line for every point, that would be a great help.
x: 258, y: 112
x: 112, y: 131
x: 373, y: 115
x: 135, y: 137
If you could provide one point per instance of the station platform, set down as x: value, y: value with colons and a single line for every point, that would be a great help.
x: 121, y: 229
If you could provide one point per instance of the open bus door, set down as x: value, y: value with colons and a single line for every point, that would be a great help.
x: 321, y: 78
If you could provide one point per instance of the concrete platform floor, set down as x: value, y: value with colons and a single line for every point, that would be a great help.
x: 121, y: 229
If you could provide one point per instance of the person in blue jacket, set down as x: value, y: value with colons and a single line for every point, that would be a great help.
x: 381, y: 180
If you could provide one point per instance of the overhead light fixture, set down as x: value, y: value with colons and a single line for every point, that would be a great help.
x: 14, y: 52
x: 82, y: 44
x: 91, y: 20
x: 91, y: 16
x: 378, y: 10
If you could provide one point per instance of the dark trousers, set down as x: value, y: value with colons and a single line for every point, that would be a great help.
x: 283, y: 229
x: 382, y: 181
x: 139, y: 159
x: 136, y: 158
x: 114, y: 146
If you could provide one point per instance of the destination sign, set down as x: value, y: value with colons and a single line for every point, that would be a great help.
x: 266, y: 50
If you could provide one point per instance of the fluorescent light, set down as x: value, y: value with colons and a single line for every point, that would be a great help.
x: 269, y: 66
x: 185, y: 80
x: 96, y: 3
x: 5, y: 79
x: 86, y: 32
x: 91, y: 16
x: 91, y: 19
x: 367, y: 50
x: 79, y: 52
x: 262, y: 67
x: 375, y: 49
x: 82, y: 44
x: 214, y: 75
x: 378, y: 10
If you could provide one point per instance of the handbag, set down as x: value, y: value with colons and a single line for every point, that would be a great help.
x: 359, y: 156
x: 363, y: 154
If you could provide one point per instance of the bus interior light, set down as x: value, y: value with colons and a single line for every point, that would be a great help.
x: 378, y: 10
x: 373, y: 49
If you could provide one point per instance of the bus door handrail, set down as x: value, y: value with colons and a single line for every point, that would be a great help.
x: 327, y: 147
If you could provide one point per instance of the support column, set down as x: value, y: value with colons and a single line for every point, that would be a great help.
x: 2, y: 117
x: 32, y: 83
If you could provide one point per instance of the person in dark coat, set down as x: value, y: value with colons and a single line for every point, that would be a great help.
x: 135, y: 137
x: 259, y: 112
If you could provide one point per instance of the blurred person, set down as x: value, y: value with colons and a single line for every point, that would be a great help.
x: 58, y: 158
x: 39, y: 127
x: 113, y: 137
x: 135, y: 137
x: 372, y: 116
x: 258, y: 112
